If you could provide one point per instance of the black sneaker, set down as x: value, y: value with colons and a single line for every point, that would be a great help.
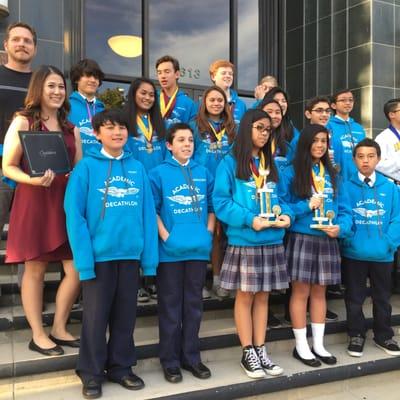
x: 152, y: 291
x: 389, y: 346
x: 334, y: 290
x: 331, y: 316
x: 268, y: 366
x: 251, y: 363
x: 143, y: 296
x: 356, y: 346
x: 273, y: 322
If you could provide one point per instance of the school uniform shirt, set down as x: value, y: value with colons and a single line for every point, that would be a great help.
x: 236, y: 204
x: 137, y: 146
x: 349, y: 134
x: 185, y: 110
x: 376, y: 219
x: 110, y: 213
x: 182, y: 196
x: 337, y: 203
x: 81, y: 114
x: 207, y: 152
x: 282, y: 161
x: 389, y: 143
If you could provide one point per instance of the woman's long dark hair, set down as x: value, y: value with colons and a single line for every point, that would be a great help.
x: 279, y: 133
x: 33, y: 98
x: 302, y: 162
x: 287, y: 124
x: 202, y: 116
x: 130, y: 109
x: 243, y: 146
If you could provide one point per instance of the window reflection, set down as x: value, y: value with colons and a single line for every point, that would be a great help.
x: 194, y: 32
x: 104, y: 19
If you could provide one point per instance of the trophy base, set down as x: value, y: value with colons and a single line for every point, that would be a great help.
x: 267, y: 215
x: 321, y: 226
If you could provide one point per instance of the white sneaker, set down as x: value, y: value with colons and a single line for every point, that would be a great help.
x: 268, y: 366
x: 206, y: 294
x: 221, y: 292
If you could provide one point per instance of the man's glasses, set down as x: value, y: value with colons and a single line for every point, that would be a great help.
x: 322, y: 110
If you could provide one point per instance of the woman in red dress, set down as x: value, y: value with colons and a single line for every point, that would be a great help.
x: 37, y: 233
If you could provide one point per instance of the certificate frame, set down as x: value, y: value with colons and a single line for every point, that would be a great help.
x: 45, y: 150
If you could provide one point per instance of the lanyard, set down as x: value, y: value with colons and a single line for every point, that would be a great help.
x: 90, y: 115
x: 394, y: 130
x: 166, y: 109
x: 218, y: 134
x: 147, y: 132
x: 318, y: 182
x: 259, y: 178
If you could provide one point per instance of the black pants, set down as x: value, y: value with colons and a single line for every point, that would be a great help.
x: 180, y: 309
x: 355, y: 274
x: 109, y: 300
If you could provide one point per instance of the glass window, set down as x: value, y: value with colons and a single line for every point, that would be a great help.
x: 194, y: 32
x: 247, y: 69
x: 104, y: 20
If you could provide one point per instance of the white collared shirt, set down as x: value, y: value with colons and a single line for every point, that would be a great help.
x: 105, y: 154
x: 372, y: 178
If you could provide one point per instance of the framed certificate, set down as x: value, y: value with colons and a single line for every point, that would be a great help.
x: 45, y: 150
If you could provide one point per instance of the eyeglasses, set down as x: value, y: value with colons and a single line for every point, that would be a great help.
x: 350, y: 100
x: 322, y: 110
x: 262, y: 128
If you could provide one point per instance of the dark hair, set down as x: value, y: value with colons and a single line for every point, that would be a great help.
x: 169, y: 137
x: 338, y: 93
x: 21, y: 25
x: 315, y: 100
x: 113, y: 116
x: 287, y: 125
x: 85, y: 67
x: 302, y: 162
x: 171, y: 59
x: 390, y: 106
x: 130, y: 109
x: 243, y: 146
x: 367, y: 142
x: 202, y: 116
x: 33, y: 98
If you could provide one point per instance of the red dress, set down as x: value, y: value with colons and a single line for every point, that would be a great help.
x: 37, y: 229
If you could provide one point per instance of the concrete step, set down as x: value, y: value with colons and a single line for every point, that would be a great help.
x: 228, y: 380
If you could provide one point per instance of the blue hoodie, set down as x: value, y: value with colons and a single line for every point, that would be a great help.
x: 349, y: 133
x: 339, y: 204
x: 376, y: 217
x: 236, y: 205
x: 184, y: 111
x: 283, y: 161
x: 238, y: 107
x: 137, y: 146
x: 182, y: 196
x: 204, y: 153
x: 81, y: 118
x: 110, y: 213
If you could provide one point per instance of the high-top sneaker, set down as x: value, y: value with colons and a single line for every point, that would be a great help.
x: 251, y: 363
x: 268, y: 366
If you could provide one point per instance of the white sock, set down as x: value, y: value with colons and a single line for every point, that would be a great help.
x: 216, y: 280
x: 318, y: 339
x: 302, y: 346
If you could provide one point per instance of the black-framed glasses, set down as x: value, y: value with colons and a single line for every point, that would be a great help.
x: 322, y: 110
x: 261, y: 128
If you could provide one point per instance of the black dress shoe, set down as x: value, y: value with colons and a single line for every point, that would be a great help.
x: 130, y: 382
x: 329, y: 360
x: 313, y: 362
x: 53, y: 351
x: 172, y: 374
x: 69, y: 343
x: 199, y: 370
x: 91, y: 390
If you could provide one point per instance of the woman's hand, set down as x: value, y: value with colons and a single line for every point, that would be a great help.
x: 331, y: 230
x: 283, y: 221
x: 45, y: 180
x: 315, y: 202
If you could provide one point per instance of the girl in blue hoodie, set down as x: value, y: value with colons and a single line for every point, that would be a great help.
x: 214, y: 132
x: 182, y: 191
x: 254, y: 262
x: 313, y: 254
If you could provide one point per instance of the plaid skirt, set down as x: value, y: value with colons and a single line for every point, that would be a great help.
x: 313, y: 259
x: 254, y: 269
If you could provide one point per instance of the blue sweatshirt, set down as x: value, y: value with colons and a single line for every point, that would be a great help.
x: 182, y: 196
x: 283, y: 161
x: 137, y: 146
x: 206, y: 153
x: 348, y: 133
x: 236, y: 205
x: 238, y: 107
x: 184, y: 111
x: 81, y: 115
x: 110, y: 213
x: 339, y: 204
x: 376, y: 217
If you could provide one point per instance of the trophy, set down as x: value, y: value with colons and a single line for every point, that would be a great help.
x: 267, y: 212
x: 319, y: 213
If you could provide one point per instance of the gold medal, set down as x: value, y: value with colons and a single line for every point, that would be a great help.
x: 219, y: 144
x: 213, y: 146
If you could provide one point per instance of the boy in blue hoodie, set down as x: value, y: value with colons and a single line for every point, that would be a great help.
x: 345, y: 130
x: 111, y: 224
x: 86, y: 77
x: 369, y: 253
x: 182, y: 192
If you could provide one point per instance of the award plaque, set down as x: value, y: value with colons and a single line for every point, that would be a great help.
x: 45, y: 150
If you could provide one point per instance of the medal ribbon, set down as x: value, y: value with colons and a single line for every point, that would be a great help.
x: 318, y: 182
x: 218, y: 135
x: 147, y: 132
x: 90, y: 115
x: 273, y: 147
x: 166, y: 109
x: 394, y: 130
x: 258, y: 178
